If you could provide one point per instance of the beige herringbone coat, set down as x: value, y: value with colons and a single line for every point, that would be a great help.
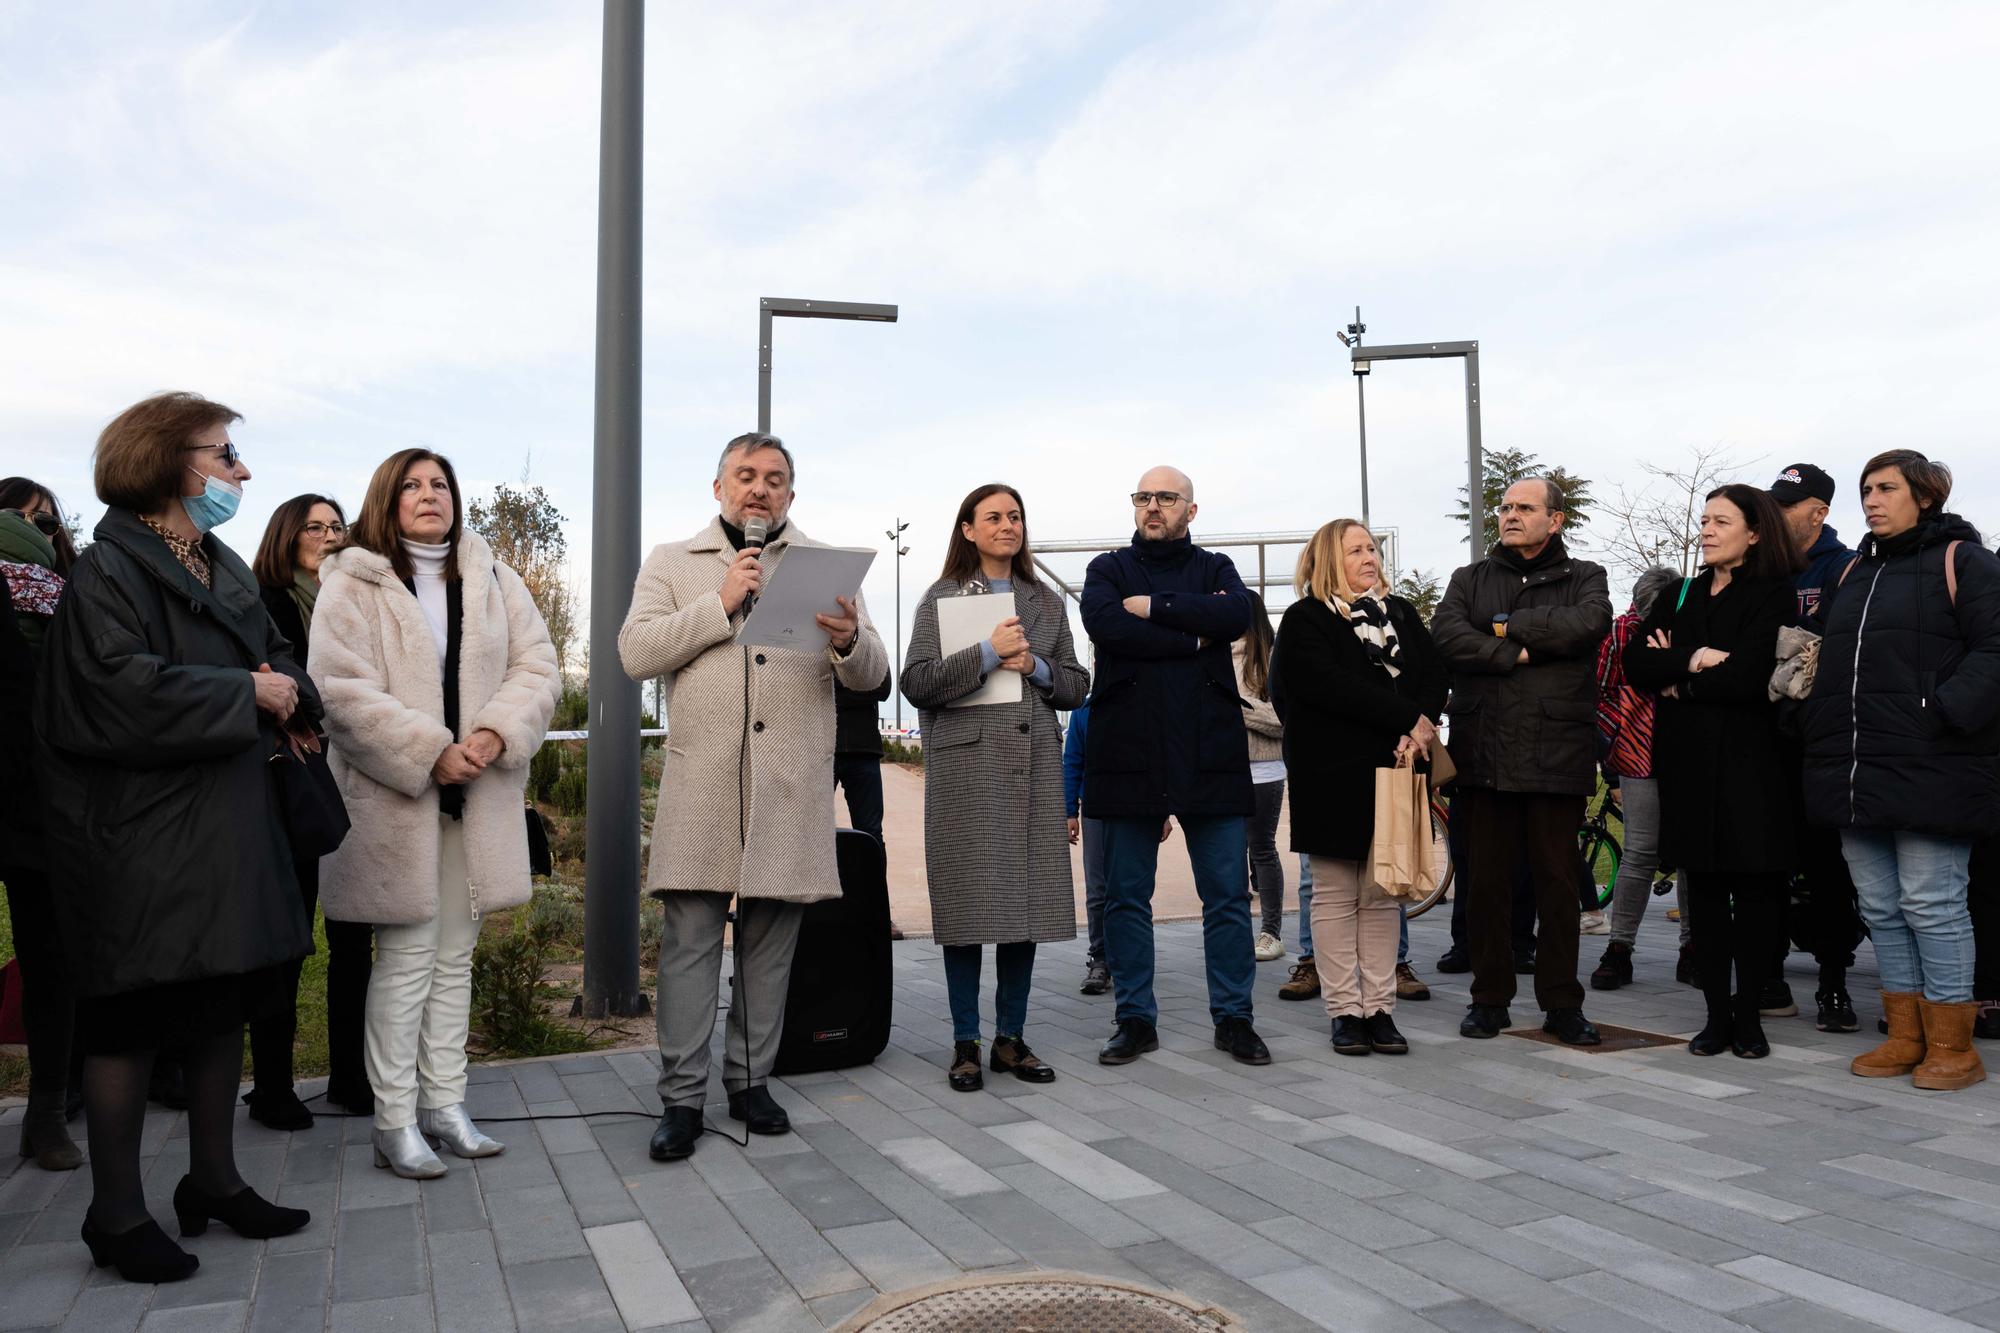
x: 746, y: 800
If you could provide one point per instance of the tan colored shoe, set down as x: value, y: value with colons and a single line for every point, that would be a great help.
x: 1950, y: 1062
x: 1410, y: 986
x: 1304, y: 984
x: 1904, y: 1050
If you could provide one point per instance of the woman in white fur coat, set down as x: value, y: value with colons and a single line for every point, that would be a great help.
x: 439, y: 681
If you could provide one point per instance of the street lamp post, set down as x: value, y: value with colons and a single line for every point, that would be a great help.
x: 1352, y: 339
x: 895, y: 536
x: 1474, y: 461
x: 788, y: 307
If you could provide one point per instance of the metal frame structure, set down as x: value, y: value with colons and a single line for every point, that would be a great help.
x: 611, y: 834
x: 776, y: 307
x: 1360, y: 357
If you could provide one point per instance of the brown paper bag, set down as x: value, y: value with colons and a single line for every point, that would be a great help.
x: 1401, y: 855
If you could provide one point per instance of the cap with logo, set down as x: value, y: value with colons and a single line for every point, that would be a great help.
x: 1802, y: 481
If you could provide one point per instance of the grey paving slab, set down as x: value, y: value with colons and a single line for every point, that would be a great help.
x: 1494, y: 1185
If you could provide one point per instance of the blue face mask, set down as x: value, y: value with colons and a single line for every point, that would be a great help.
x: 216, y: 504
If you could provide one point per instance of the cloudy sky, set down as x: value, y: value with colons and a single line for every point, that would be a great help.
x: 1119, y: 234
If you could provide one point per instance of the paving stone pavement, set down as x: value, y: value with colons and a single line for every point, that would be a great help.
x: 1470, y: 1185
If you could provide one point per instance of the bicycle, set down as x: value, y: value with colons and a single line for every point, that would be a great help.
x: 1597, y: 850
x: 1440, y: 857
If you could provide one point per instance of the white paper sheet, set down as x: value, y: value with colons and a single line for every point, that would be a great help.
x: 965, y: 621
x: 805, y: 583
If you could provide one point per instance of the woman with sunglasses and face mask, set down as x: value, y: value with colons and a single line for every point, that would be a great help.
x: 35, y: 554
x: 301, y: 534
x: 165, y: 693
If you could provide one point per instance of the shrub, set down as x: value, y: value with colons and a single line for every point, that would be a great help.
x: 571, y: 793
x: 507, y: 1008
x: 896, y: 752
x: 544, y: 769
x: 572, y: 710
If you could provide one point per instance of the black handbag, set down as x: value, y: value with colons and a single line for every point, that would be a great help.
x: 309, y: 802
x: 539, y: 860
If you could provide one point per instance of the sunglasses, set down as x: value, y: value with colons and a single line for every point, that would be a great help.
x: 230, y: 458
x: 45, y: 523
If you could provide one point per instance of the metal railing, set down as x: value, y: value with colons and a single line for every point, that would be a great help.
x: 1270, y: 574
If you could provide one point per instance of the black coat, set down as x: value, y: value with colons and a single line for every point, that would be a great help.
x: 165, y: 848
x: 1529, y: 728
x: 292, y: 626
x: 857, y: 726
x: 1728, y: 790
x: 1166, y: 729
x: 1343, y: 716
x: 20, y: 815
x: 1903, y: 727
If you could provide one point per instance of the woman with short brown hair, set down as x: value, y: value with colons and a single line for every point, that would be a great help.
x: 165, y: 692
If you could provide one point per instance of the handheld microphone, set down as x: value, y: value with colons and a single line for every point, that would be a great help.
x: 755, y: 529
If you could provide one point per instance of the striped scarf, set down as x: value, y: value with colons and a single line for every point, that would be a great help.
x: 1368, y: 617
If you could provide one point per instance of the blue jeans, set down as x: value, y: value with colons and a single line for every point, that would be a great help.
x: 1912, y: 892
x: 1218, y: 851
x: 1306, y: 916
x: 1093, y: 885
x: 1014, y: 972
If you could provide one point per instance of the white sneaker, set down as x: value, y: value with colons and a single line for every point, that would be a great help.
x: 1593, y: 923
x: 1269, y: 947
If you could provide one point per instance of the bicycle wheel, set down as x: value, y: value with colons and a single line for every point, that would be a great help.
x: 1598, y: 854
x: 1440, y: 883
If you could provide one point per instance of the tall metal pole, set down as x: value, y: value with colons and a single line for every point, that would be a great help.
x: 764, y: 369
x: 1475, y: 463
x: 611, y: 877
x: 1361, y: 401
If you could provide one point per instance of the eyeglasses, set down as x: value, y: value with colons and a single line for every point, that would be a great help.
x: 230, y: 458
x: 1525, y: 511
x: 1167, y: 499
x: 326, y: 529
x: 45, y: 523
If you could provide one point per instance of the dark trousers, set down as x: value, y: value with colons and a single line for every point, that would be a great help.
x: 1505, y: 827
x: 47, y: 998
x: 1459, y: 830
x: 1982, y: 900
x: 1737, y: 919
x: 860, y: 778
x: 1216, y: 851
x: 350, y: 960
x: 1267, y: 871
x: 1832, y: 925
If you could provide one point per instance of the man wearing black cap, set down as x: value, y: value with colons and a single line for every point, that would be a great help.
x: 1832, y: 922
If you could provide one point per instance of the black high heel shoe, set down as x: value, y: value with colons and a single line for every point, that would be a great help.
x: 143, y: 1254
x: 242, y: 1212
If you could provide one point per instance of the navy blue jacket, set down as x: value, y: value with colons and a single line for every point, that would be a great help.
x: 1073, y: 742
x: 1815, y: 583
x: 1166, y: 730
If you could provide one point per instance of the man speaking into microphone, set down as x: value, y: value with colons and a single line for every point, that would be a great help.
x: 746, y: 798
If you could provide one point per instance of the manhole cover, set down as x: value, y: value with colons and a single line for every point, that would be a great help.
x: 1615, y: 1039
x: 1039, y: 1303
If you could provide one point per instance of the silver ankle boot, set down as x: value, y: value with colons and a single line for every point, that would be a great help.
x: 453, y: 1128
x: 405, y: 1152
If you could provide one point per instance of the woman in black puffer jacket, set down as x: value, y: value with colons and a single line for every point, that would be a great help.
x: 1903, y: 755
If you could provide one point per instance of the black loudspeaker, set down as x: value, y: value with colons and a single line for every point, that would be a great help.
x: 837, y: 1011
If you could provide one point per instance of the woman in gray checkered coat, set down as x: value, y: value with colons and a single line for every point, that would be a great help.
x: 997, y: 844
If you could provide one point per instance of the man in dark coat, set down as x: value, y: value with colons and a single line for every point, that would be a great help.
x: 1166, y: 738
x: 857, y: 759
x: 1520, y: 631
x: 1832, y: 918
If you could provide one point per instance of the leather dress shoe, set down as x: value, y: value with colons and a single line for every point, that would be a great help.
x: 1484, y: 1020
x: 1132, y: 1039
x: 1236, y: 1036
x: 759, y: 1111
x: 674, y: 1139
x: 1571, y: 1028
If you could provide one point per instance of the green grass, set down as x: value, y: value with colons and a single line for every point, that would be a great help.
x: 13, y: 1068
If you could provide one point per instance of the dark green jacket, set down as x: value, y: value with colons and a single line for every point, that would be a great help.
x: 165, y: 849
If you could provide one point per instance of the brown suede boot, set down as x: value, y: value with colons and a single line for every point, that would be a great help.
x: 1949, y: 1060
x: 1904, y: 1050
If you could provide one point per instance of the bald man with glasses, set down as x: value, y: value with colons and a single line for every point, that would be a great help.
x: 1166, y: 739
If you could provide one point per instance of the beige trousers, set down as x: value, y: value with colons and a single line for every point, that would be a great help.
x: 420, y: 998
x: 1355, y: 930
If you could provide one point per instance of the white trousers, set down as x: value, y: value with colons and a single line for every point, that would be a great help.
x: 420, y: 998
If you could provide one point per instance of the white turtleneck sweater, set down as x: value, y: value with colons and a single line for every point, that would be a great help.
x: 427, y: 563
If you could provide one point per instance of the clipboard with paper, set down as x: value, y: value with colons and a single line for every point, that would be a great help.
x: 964, y: 622
x: 806, y: 582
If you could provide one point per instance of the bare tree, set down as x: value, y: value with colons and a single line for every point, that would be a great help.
x: 1660, y: 522
x: 525, y: 530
